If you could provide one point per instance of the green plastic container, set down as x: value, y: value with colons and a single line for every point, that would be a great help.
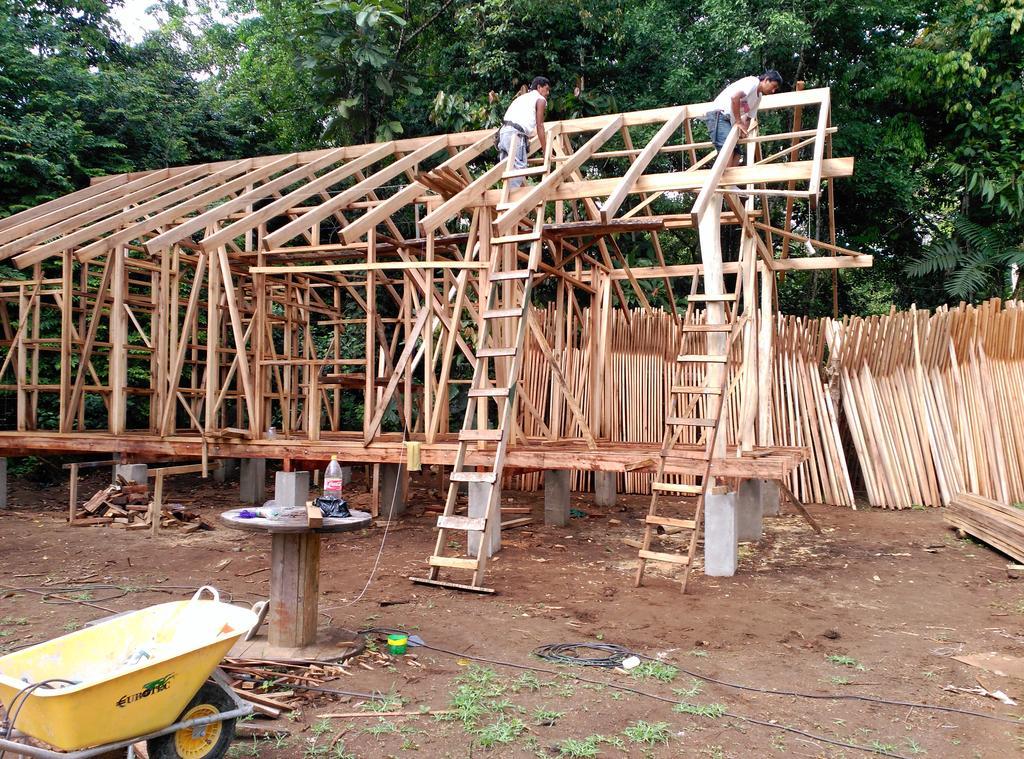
x: 397, y: 644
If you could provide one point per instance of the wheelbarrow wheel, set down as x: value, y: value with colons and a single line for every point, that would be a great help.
x: 205, y: 742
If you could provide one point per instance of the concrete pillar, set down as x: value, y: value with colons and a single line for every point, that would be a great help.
x: 291, y: 490
x: 604, y: 488
x: 252, y: 481
x: 556, y: 497
x: 226, y: 471
x: 138, y: 473
x: 479, y: 501
x: 770, y: 498
x: 3, y: 483
x: 721, y: 548
x: 392, y: 491
x: 749, y: 512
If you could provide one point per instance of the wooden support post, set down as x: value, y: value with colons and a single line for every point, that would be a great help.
x: 72, y: 493
x: 294, y: 588
x: 156, y: 509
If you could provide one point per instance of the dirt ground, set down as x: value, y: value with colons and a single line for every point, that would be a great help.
x: 878, y: 606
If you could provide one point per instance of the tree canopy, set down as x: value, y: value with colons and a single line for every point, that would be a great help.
x: 928, y: 96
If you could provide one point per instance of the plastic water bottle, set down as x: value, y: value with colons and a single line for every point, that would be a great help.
x: 332, y: 478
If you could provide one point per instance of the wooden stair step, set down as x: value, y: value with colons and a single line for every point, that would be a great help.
x: 690, y: 421
x: 672, y: 558
x: 488, y: 392
x: 494, y: 352
x: 705, y: 298
x: 503, y: 313
x: 472, y: 477
x: 697, y: 390
x: 674, y: 487
x: 707, y: 328
x: 461, y: 523
x: 501, y: 276
x: 686, y: 524
x: 452, y: 562
x: 480, y: 435
x: 506, y: 239
x: 701, y: 358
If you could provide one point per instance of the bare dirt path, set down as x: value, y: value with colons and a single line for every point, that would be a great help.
x: 875, y: 606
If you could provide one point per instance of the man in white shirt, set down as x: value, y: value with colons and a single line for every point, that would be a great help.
x: 737, y: 104
x: 523, y: 119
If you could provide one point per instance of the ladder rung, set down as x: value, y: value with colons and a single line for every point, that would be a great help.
x: 480, y: 435
x: 526, y: 237
x: 503, y: 313
x: 494, y: 352
x: 705, y: 298
x: 697, y: 390
x: 488, y: 392
x: 472, y: 477
x: 707, y: 328
x: 461, y: 523
x: 672, y: 487
x: 500, y: 276
x: 525, y: 172
x: 690, y: 421
x: 701, y: 358
x: 686, y: 524
x: 448, y: 561
x: 673, y: 558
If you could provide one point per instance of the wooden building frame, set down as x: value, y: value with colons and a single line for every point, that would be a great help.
x: 289, y: 291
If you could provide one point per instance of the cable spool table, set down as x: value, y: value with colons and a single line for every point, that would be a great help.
x: 294, y: 570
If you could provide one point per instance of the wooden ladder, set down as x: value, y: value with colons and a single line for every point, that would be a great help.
x: 683, y: 400
x: 482, y: 392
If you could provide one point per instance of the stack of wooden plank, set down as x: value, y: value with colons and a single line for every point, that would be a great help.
x: 128, y: 505
x: 997, y: 524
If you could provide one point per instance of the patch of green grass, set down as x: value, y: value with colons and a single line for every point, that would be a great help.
x: 546, y: 717
x: 321, y: 727
x: 504, y: 731
x: 650, y: 733
x: 526, y: 681
x: 383, y: 727
x: 846, y: 661
x: 712, y: 711
x: 18, y: 621
x: 889, y: 748
x: 82, y: 595
x: 691, y: 690
x: 480, y: 692
x: 389, y: 702
x: 655, y: 670
x: 70, y: 626
x: 839, y: 680
x: 340, y: 752
x: 914, y: 747
x: 700, y: 653
x: 245, y: 748
x: 314, y: 748
x: 580, y: 748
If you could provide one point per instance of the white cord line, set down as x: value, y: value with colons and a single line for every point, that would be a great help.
x: 384, y: 539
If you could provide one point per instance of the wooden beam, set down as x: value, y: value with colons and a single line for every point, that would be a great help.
x: 611, y: 206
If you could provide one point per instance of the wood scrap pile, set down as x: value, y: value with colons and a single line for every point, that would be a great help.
x: 997, y: 524
x: 128, y: 505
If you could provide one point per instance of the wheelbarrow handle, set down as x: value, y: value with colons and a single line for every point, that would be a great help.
x: 212, y: 590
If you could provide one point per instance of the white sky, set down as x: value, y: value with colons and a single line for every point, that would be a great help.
x: 132, y: 17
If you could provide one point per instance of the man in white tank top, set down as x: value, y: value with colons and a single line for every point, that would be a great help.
x: 738, y: 104
x: 523, y: 119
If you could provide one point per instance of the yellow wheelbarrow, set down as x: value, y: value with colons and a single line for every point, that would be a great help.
x: 139, y: 676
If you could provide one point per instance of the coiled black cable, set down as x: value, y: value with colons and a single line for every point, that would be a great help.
x: 569, y: 653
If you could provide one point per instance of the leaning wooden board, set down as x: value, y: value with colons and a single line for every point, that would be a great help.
x: 999, y: 525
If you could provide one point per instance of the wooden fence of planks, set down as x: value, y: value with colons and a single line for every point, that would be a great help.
x: 913, y: 407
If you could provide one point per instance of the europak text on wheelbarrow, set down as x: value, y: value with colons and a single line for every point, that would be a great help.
x: 137, y: 676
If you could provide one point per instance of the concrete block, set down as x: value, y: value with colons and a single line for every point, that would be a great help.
x: 291, y: 489
x: 226, y: 472
x: 138, y: 473
x: 770, y: 498
x: 252, y: 481
x: 721, y: 547
x: 556, y: 497
x: 392, y: 491
x: 3, y: 483
x: 480, y: 504
x: 604, y: 488
x: 749, y: 522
